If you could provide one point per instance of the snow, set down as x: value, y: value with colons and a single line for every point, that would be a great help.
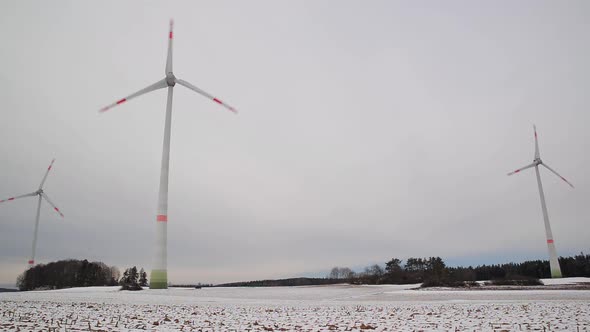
x: 565, y: 281
x: 311, y: 308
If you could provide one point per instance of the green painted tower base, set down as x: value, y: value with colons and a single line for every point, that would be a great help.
x: 556, y: 273
x: 159, y: 279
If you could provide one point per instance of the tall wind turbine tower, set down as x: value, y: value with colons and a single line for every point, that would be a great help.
x: 553, y: 261
x: 159, y: 274
x: 42, y: 195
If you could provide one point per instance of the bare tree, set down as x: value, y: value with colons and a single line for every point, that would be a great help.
x: 345, y: 273
x: 334, y: 273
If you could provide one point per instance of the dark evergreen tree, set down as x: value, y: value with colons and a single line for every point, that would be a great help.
x: 130, y: 279
x: 125, y: 278
x: 143, y: 282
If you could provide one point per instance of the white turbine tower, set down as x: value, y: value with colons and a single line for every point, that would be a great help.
x: 41, y: 195
x: 553, y: 261
x: 159, y: 274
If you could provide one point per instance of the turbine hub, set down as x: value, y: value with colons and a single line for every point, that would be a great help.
x: 39, y: 192
x: 170, y: 79
x: 537, y: 161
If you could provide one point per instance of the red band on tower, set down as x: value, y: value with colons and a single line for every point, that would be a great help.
x: 31, y: 262
x: 162, y: 218
x: 549, y: 241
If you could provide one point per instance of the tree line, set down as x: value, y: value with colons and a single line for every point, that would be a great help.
x: 79, y: 273
x: 433, y: 270
x: 428, y: 270
x: 302, y: 281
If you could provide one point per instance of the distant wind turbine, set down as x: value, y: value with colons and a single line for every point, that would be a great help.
x: 41, y: 195
x: 553, y: 261
x: 159, y: 273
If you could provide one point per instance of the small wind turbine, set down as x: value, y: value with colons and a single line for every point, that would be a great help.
x: 553, y: 261
x: 159, y: 274
x: 41, y: 193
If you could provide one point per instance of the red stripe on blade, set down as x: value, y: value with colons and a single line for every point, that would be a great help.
x: 549, y: 241
x: 162, y: 218
x: 517, y: 171
x: 121, y: 101
x: 217, y: 101
x: 171, y: 35
x: 10, y: 199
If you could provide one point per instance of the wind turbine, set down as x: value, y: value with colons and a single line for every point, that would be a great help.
x: 41, y: 193
x: 553, y: 261
x: 159, y: 273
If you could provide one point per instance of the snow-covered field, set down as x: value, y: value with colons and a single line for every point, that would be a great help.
x: 318, y: 308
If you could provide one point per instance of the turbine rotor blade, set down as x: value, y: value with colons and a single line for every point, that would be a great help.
x: 537, y: 154
x: 522, y: 168
x: 169, y: 56
x: 561, y: 177
x: 46, y: 173
x: 51, y: 203
x: 158, y: 85
x: 205, y: 94
x: 17, y: 197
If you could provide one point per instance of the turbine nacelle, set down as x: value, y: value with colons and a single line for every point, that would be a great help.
x: 170, y: 79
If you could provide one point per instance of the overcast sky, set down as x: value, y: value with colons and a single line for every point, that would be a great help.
x: 367, y: 130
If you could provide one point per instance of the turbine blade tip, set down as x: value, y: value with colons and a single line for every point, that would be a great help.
x: 58, y: 211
